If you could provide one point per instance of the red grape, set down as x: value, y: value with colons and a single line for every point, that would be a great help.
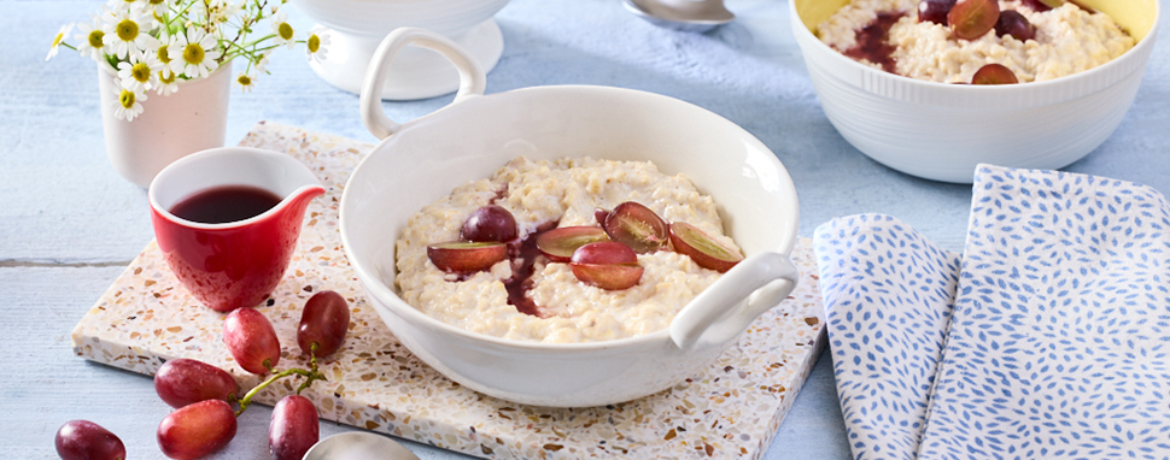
x: 197, y: 430
x: 971, y: 19
x: 704, y: 250
x: 599, y: 214
x: 934, y: 11
x: 251, y: 340
x: 994, y: 74
x: 85, y: 440
x: 559, y: 244
x: 607, y: 265
x: 324, y: 321
x: 463, y: 256
x: 490, y: 223
x: 1013, y: 23
x: 180, y: 382
x: 294, y: 428
x: 636, y: 226
x: 1038, y: 5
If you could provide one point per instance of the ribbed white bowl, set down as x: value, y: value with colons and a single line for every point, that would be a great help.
x: 942, y: 131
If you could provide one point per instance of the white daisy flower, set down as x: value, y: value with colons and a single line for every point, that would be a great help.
x: 157, y: 8
x: 196, y: 51
x: 245, y: 82
x: 168, y: 83
x: 261, y: 66
x: 283, y: 31
x: 90, y: 42
x: 127, y: 103
x: 140, y: 72
x: 61, y: 33
x: 126, y: 31
x: 170, y: 66
x: 317, y: 45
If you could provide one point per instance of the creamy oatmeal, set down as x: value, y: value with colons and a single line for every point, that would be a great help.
x: 540, y: 194
x: 1068, y: 39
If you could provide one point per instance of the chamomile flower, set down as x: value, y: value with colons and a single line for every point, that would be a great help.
x: 261, y: 65
x: 283, y: 31
x: 126, y: 31
x: 90, y: 42
x: 127, y: 103
x: 170, y: 66
x: 317, y: 45
x: 61, y: 33
x: 140, y: 72
x: 196, y: 51
x: 245, y: 82
x: 168, y: 83
x: 157, y: 8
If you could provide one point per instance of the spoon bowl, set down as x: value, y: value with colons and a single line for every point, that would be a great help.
x: 685, y: 15
x: 358, y: 445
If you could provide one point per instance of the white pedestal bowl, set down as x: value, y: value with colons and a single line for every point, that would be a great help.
x: 356, y: 27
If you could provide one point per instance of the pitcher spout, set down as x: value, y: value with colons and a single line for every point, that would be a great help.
x: 295, y: 203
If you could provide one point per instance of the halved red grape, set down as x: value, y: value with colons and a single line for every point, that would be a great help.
x: 324, y: 321
x: 197, y: 430
x: 464, y: 256
x: 1011, y: 22
x: 490, y: 223
x: 636, y: 226
x: 294, y: 428
x: 251, y: 340
x: 971, y: 19
x: 607, y: 265
x: 1041, y: 6
x: 599, y: 214
x: 994, y: 74
x: 934, y: 11
x: 704, y: 250
x: 559, y: 244
x: 85, y: 440
x: 180, y: 382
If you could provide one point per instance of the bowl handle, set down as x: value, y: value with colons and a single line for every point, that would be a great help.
x: 471, y: 77
x: 752, y: 287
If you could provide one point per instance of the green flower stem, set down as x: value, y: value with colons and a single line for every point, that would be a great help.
x: 67, y: 45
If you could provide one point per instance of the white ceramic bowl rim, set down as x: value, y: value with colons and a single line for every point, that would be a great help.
x: 995, y: 89
x: 381, y: 290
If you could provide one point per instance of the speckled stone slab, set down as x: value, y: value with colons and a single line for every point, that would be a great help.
x: 730, y: 411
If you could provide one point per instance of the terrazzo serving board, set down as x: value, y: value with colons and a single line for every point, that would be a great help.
x: 731, y: 410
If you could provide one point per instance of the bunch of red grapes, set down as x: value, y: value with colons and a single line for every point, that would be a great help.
x: 205, y: 420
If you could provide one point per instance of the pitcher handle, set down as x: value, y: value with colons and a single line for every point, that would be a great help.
x: 472, y: 80
x: 728, y: 307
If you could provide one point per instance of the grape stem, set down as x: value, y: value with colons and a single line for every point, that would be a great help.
x: 310, y: 375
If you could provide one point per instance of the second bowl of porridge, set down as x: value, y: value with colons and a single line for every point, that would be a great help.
x: 917, y: 84
x: 566, y: 246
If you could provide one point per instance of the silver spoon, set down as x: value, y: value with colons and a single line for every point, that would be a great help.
x: 358, y: 445
x: 685, y: 15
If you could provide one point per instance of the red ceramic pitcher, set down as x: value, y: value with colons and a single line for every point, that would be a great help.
x: 233, y: 264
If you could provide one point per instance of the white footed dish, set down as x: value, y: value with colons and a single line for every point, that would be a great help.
x: 942, y: 131
x: 423, y: 160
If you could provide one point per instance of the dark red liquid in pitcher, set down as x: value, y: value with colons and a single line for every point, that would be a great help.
x: 229, y: 203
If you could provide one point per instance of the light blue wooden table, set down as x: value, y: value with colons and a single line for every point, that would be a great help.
x: 69, y: 224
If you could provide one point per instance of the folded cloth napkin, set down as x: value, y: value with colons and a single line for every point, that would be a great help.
x: 1049, y: 338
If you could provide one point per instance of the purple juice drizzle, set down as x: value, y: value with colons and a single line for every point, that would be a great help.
x: 871, y: 42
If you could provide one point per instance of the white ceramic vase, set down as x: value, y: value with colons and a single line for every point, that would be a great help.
x: 170, y: 127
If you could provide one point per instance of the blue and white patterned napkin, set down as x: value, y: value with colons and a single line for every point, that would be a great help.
x: 1049, y: 339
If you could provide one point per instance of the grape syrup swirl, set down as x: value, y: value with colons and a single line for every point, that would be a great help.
x: 872, y: 44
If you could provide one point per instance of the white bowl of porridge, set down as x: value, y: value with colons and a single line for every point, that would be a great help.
x: 550, y: 155
x: 905, y: 96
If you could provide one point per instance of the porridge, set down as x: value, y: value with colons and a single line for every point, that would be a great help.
x: 507, y: 256
x: 921, y: 39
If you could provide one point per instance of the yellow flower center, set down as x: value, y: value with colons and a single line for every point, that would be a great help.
x: 165, y: 79
x: 126, y: 98
x: 244, y: 80
x: 162, y: 55
x: 285, y: 31
x: 127, y: 30
x: 95, y: 39
x: 140, y: 72
x: 156, y: 2
x: 314, y: 43
x: 193, y: 53
x: 57, y: 39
